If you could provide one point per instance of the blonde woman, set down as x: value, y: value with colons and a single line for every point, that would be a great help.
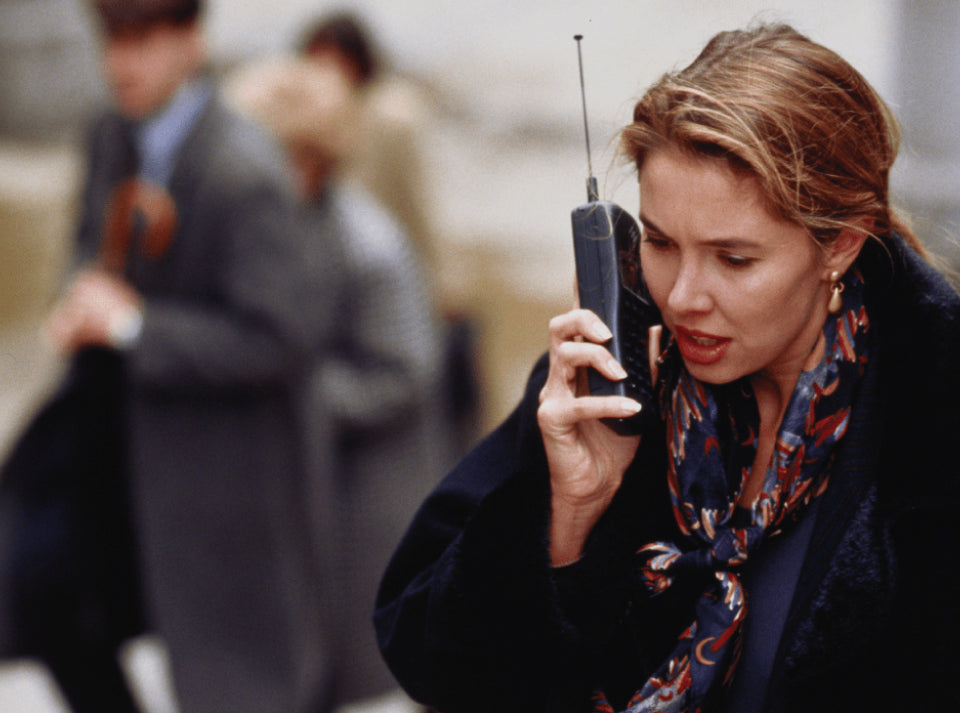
x: 780, y: 538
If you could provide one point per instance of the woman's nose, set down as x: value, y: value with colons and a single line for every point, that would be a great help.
x: 689, y: 291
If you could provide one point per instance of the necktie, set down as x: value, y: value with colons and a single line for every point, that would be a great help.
x: 140, y: 216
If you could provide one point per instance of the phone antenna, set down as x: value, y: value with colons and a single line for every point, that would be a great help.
x: 592, y: 191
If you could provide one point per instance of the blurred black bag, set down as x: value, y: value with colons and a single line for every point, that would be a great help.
x: 67, y: 550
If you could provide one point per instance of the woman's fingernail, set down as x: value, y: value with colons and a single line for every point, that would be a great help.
x: 631, y: 406
x: 602, y: 332
x: 617, y: 370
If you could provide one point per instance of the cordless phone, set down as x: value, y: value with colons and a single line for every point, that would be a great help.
x: 606, y: 242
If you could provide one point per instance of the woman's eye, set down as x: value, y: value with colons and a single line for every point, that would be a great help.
x: 655, y: 241
x: 734, y: 260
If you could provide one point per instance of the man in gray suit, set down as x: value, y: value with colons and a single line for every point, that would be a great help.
x: 211, y: 302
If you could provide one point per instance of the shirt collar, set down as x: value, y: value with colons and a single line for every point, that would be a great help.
x: 160, y: 137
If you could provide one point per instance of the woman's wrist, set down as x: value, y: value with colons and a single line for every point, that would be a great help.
x: 570, y: 526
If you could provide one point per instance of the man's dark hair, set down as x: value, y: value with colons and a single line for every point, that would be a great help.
x: 132, y: 16
x: 345, y: 33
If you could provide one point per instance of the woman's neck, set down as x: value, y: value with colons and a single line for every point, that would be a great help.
x: 773, y: 390
x: 771, y: 405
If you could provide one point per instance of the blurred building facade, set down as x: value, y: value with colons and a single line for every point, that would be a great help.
x: 49, y: 80
x: 927, y: 85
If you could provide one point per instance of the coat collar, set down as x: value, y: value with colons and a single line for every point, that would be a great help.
x: 897, y: 457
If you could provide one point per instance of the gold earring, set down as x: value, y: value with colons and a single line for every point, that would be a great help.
x: 836, y: 301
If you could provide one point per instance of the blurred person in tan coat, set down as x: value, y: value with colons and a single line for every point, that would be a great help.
x: 382, y: 378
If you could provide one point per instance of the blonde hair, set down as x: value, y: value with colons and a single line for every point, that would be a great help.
x: 772, y: 103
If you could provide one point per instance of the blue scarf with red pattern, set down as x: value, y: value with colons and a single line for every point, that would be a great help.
x: 712, y: 440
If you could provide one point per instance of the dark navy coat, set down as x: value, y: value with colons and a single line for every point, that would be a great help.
x: 472, y: 618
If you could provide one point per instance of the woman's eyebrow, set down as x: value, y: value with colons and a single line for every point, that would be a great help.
x: 728, y: 243
x: 651, y: 226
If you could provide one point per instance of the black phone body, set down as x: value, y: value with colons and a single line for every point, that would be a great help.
x: 606, y: 241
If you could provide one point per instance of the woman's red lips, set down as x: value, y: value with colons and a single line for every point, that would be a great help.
x: 699, y: 347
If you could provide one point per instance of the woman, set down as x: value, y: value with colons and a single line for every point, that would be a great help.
x: 779, y: 538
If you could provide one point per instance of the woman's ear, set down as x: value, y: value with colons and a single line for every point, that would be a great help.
x: 845, y: 249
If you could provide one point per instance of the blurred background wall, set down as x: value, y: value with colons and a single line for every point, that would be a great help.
x: 499, y: 128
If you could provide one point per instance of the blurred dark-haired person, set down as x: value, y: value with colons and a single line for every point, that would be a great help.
x: 197, y: 306
x: 343, y: 39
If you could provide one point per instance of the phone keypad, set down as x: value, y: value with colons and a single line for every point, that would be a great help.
x: 637, y: 317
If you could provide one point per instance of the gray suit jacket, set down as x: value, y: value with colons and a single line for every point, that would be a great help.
x: 226, y: 459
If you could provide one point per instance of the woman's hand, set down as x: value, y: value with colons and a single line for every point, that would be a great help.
x: 587, y: 459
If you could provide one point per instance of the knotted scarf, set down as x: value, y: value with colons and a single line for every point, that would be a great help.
x: 712, y: 440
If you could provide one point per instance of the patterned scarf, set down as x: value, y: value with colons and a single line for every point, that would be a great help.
x: 711, y: 439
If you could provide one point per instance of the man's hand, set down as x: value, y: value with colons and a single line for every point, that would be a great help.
x: 98, y: 309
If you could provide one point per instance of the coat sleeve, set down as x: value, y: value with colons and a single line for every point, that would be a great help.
x: 466, y: 616
x: 470, y: 615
